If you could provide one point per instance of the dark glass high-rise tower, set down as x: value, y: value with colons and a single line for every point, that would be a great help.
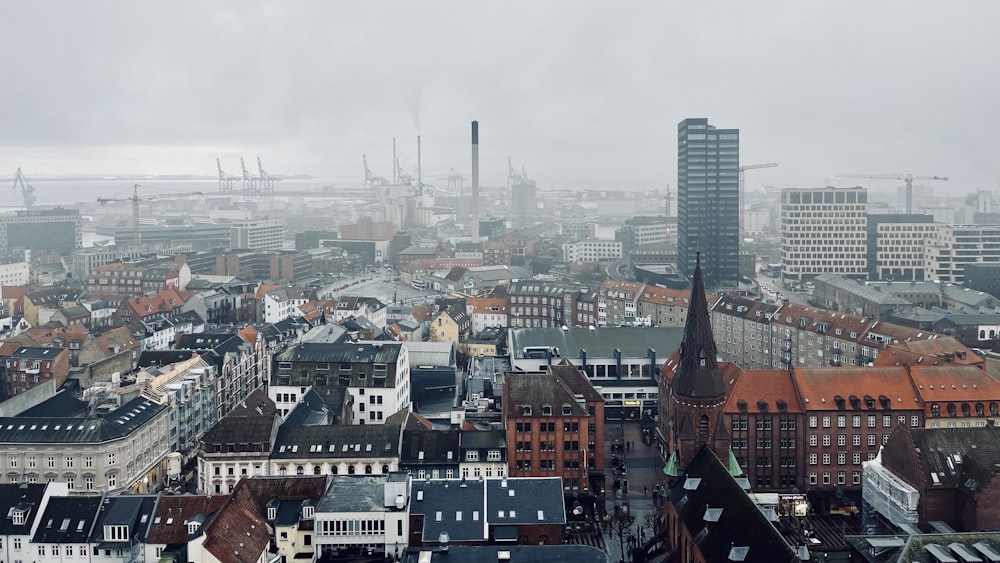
x: 708, y: 201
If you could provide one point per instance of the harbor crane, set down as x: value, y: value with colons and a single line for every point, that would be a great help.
x: 135, y: 198
x: 27, y: 190
x: 266, y: 181
x: 225, y: 182
x: 908, y: 178
x: 742, y: 188
x: 372, y: 181
x: 248, y: 180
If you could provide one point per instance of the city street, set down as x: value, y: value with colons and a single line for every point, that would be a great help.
x: 643, y: 474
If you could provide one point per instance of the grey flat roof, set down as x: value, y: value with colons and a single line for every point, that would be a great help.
x: 353, y: 493
x: 599, y: 342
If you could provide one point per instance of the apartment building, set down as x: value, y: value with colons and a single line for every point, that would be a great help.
x: 824, y: 230
x: 550, y: 432
x: 591, y: 250
x: 257, y: 235
x: 110, y: 450
x: 361, y: 382
x: 954, y: 246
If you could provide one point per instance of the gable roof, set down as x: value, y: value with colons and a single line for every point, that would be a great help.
x: 23, y: 497
x: 173, y: 513
x: 954, y: 383
x: 820, y: 387
x: 739, y: 523
x: 763, y: 391
x: 67, y: 519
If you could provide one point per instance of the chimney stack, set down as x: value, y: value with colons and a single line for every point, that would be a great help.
x: 475, y: 182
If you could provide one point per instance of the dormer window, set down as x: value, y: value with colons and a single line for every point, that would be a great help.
x: 272, y: 512
x: 308, y: 511
x: 546, y: 410
x: 192, y: 527
x: 17, y: 516
x: 567, y: 410
x: 525, y: 410
x: 115, y: 532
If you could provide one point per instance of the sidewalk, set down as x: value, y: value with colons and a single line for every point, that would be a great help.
x: 643, y: 472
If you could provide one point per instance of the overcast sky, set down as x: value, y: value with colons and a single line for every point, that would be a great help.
x: 582, y: 93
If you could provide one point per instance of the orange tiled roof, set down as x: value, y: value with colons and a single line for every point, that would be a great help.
x: 163, y: 302
x: 249, y: 334
x: 933, y: 352
x: 264, y: 288
x: 954, y: 383
x: 480, y: 305
x: 819, y: 387
x: 769, y: 386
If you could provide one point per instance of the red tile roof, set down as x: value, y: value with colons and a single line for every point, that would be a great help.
x: 239, y: 533
x: 249, y: 335
x: 769, y: 386
x: 954, y: 383
x: 819, y: 387
x: 264, y: 288
x: 163, y: 302
x: 935, y: 351
x: 172, y: 513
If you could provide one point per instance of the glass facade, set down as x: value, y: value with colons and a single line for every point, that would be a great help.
x: 708, y: 205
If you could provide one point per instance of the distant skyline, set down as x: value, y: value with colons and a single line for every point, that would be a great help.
x: 581, y: 93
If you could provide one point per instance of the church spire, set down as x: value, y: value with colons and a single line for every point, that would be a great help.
x: 698, y: 374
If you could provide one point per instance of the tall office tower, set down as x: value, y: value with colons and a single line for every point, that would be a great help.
x: 708, y: 201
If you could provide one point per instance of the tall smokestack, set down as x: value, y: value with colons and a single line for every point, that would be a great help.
x: 475, y: 182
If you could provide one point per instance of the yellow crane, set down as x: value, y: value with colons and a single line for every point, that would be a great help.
x: 743, y: 181
x: 135, y: 198
x: 908, y: 178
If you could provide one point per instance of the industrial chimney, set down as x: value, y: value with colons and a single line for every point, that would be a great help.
x: 475, y: 182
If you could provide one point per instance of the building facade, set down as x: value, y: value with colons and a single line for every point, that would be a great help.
x: 708, y: 200
x: 824, y: 230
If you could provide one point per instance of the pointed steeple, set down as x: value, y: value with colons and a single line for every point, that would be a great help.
x: 698, y: 374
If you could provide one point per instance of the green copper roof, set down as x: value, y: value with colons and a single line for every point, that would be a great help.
x: 734, y: 466
x: 672, y: 468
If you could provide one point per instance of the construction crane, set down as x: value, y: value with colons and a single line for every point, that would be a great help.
x: 225, y: 182
x: 135, y: 198
x: 455, y: 182
x: 27, y: 190
x: 742, y: 188
x: 908, y: 178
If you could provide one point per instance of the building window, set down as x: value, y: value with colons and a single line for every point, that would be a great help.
x: 826, y: 459
x: 88, y: 483
x: 826, y: 439
x: 871, y: 421
x: 886, y: 420
x: 915, y: 421
x: 812, y: 422
x: 856, y: 458
x: 812, y: 478
x: 826, y: 422
x: 826, y: 477
x: 813, y: 458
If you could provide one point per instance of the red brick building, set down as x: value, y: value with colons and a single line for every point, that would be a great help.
x: 555, y: 427
x: 25, y: 367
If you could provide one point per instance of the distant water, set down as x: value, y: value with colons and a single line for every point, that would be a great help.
x: 71, y: 193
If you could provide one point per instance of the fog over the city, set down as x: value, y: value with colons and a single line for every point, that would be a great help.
x: 583, y: 93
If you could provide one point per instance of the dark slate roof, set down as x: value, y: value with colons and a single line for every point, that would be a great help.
x: 943, y: 451
x: 484, y: 439
x: 59, y: 430
x: 449, y: 505
x: 249, y: 429
x: 354, y: 493
x: 697, y: 374
x: 311, y: 410
x: 135, y: 511
x: 525, y: 501
x: 429, y: 447
x: 599, y: 342
x: 539, y: 390
x: 925, y: 548
x: 67, y: 519
x: 24, y: 497
x: 62, y: 404
x: 174, y: 511
x: 741, y: 523
x: 337, y: 441
x: 517, y: 554
x: 31, y: 353
x: 344, y: 352
x: 163, y: 357
x: 205, y: 340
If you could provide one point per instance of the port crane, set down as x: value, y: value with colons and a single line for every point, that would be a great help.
x: 266, y: 181
x: 908, y: 178
x: 372, y: 181
x: 225, y: 182
x: 27, y: 190
x: 742, y: 187
x: 135, y: 198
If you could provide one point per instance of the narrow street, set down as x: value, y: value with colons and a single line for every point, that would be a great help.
x: 634, y: 489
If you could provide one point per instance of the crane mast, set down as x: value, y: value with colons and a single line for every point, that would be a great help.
x: 134, y: 199
x: 27, y: 190
x: 907, y: 178
x: 742, y: 188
